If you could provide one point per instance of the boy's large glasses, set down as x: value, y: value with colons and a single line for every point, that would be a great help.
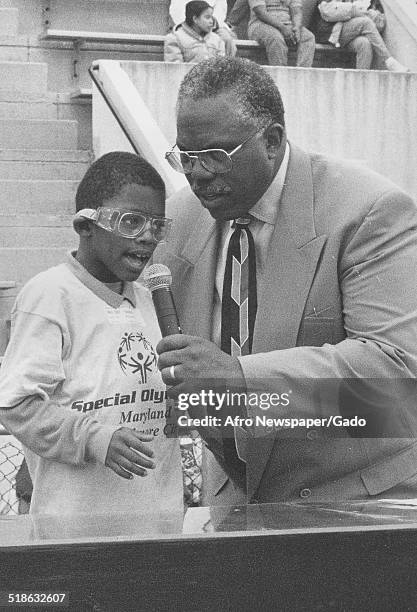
x: 127, y: 224
x: 215, y: 161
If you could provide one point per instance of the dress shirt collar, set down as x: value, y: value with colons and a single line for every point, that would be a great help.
x: 266, y: 208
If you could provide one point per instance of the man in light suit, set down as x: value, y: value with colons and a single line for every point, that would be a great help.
x: 336, y: 276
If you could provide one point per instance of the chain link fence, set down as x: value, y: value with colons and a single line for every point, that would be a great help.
x: 191, y: 456
x: 11, y: 457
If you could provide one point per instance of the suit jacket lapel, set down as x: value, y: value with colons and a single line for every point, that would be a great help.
x: 195, y: 274
x: 292, y: 260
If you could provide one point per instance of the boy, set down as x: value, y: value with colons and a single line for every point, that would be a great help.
x: 79, y: 384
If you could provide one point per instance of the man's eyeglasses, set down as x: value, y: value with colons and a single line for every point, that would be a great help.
x: 127, y: 224
x: 215, y: 161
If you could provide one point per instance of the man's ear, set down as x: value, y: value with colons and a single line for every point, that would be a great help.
x: 83, y: 227
x: 275, y: 138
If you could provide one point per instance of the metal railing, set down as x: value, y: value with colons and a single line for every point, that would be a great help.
x: 118, y: 108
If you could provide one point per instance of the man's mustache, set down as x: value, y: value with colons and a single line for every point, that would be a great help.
x: 204, y: 191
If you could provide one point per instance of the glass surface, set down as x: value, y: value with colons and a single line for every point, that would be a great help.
x: 233, y: 521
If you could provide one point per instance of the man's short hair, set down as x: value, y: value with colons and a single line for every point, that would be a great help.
x: 107, y: 176
x: 259, y: 100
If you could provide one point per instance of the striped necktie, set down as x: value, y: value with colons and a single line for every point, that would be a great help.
x: 239, y: 304
x: 239, y: 300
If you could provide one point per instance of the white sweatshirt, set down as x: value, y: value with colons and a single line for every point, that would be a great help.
x: 80, y: 364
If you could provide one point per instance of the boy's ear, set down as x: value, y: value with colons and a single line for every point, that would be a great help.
x: 83, y: 227
x: 82, y: 223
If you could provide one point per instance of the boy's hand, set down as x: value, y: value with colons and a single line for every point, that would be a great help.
x: 123, y: 453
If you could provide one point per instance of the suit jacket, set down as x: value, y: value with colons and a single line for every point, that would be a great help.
x: 338, y: 301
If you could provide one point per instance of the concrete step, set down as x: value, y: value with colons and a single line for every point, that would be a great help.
x: 11, y: 52
x: 9, y: 22
x: 19, y: 197
x: 30, y: 244
x: 22, y: 264
x: 34, y: 220
x: 15, y: 49
x: 25, y: 80
x: 21, y: 48
x: 50, y: 105
x: 53, y: 106
x: 110, y: 16
x: 36, y: 231
x: 43, y: 164
x: 31, y: 16
x: 38, y: 134
x: 37, y: 109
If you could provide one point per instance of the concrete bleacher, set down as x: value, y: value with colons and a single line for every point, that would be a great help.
x: 135, y: 32
x: 153, y: 44
x: 68, y: 62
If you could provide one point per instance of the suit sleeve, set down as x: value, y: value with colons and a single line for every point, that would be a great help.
x: 378, y: 283
x: 31, y: 372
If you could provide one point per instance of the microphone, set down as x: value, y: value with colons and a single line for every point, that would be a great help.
x: 158, y: 279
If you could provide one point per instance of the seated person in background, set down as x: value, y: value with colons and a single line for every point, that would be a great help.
x: 349, y: 24
x: 222, y: 29
x: 194, y: 40
x: 276, y: 25
x: 81, y: 360
x: 238, y: 13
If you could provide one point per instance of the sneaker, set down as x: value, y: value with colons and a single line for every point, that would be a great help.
x: 394, y: 66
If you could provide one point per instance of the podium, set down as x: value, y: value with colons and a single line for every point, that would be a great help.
x: 287, y: 556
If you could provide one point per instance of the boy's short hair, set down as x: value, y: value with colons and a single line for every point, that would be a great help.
x: 106, y: 177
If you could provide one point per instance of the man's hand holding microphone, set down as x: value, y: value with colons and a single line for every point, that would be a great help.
x: 187, y: 363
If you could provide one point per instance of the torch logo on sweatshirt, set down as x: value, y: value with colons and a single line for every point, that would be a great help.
x: 136, y: 355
